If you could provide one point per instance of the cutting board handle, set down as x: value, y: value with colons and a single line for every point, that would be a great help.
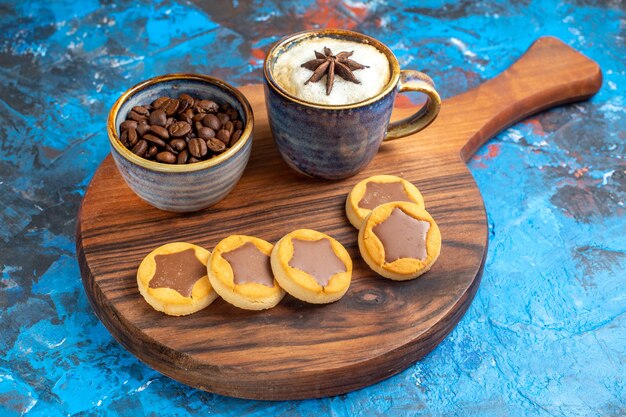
x: 550, y: 73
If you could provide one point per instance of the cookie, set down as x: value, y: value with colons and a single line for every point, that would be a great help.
x: 399, y: 240
x: 374, y: 191
x: 239, y: 270
x: 312, y: 266
x: 173, y: 279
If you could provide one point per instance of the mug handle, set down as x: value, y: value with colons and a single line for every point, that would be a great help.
x: 411, y: 80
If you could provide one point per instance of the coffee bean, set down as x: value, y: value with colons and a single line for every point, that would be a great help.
x: 232, y: 114
x: 197, y: 147
x: 160, y: 131
x: 223, y: 135
x: 141, y: 110
x: 143, y: 128
x: 229, y: 126
x: 140, y: 148
x: 160, y: 102
x: 178, y: 144
x: 169, y: 148
x: 188, y: 99
x: 212, y: 121
x: 179, y: 129
x: 128, y: 124
x: 184, y: 117
x: 133, y: 137
x: 155, y: 140
x: 124, y: 138
x: 166, y: 157
x: 158, y: 117
x: 182, y: 157
x: 207, y: 106
x: 234, y: 138
x: 171, y: 107
x: 223, y: 117
x: 137, y: 117
x: 215, y: 145
x: 206, y: 132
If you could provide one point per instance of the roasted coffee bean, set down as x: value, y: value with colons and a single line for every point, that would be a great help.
x: 160, y: 102
x: 128, y: 124
x: 160, y: 131
x: 154, y: 139
x: 232, y: 114
x: 223, y: 117
x: 132, y: 137
x: 182, y: 157
x: 212, y: 121
x: 143, y: 128
x: 166, y: 157
x: 140, y: 148
x: 184, y: 117
x: 182, y: 106
x: 197, y: 147
x: 178, y: 144
x: 223, y: 135
x: 206, y: 132
x: 215, y: 145
x: 188, y: 99
x: 137, y: 117
x: 229, y: 126
x: 171, y: 107
x: 207, y: 106
x: 124, y: 138
x: 169, y: 148
x: 158, y: 117
x: 179, y: 129
x: 141, y: 110
x: 234, y: 138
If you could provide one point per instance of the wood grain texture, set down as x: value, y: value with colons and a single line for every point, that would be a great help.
x: 380, y: 327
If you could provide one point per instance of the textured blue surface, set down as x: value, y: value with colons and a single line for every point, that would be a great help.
x: 546, y: 334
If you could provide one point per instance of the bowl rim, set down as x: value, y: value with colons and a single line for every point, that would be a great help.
x: 394, y: 66
x: 116, y: 143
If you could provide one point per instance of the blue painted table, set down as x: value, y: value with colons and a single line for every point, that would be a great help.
x: 546, y: 334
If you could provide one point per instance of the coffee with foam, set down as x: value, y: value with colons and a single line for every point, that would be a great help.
x: 288, y: 72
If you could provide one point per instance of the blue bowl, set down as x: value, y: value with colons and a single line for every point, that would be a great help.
x: 188, y: 187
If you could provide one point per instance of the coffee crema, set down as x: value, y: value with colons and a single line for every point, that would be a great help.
x: 291, y: 76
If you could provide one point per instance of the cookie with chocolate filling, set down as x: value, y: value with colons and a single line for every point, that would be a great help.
x: 173, y: 279
x: 312, y: 266
x: 374, y: 191
x: 239, y: 270
x: 399, y: 240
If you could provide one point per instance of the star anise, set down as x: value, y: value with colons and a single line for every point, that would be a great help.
x: 330, y: 64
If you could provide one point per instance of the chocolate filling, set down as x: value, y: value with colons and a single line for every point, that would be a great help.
x: 377, y: 193
x: 317, y: 258
x: 178, y: 271
x: 249, y: 264
x: 402, y: 236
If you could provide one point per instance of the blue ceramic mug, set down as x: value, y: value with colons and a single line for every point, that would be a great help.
x: 337, y: 141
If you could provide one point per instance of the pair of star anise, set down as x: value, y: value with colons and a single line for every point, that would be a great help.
x: 329, y: 64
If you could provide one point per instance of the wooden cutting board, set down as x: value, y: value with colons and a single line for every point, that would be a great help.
x: 380, y: 327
